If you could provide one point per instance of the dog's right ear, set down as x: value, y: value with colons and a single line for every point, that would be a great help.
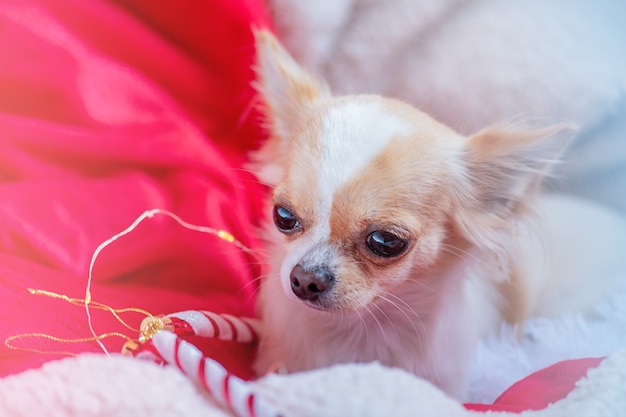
x: 287, y: 92
x: 287, y: 89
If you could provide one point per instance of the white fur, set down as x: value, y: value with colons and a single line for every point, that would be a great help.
x: 367, y: 124
x: 419, y: 333
x: 581, y: 257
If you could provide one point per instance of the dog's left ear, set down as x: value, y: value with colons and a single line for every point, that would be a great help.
x: 504, y: 170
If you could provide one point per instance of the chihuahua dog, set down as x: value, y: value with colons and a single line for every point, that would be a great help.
x: 396, y: 239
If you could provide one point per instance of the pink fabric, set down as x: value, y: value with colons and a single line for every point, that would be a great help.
x: 108, y: 109
x: 541, y: 388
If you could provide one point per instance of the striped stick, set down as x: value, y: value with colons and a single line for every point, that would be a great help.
x: 217, y: 326
x: 203, y: 324
x: 228, y: 390
x: 167, y: 347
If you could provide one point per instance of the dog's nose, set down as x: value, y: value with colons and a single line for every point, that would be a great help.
x: 309, y: 285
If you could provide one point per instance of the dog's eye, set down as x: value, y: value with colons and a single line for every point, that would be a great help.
x: 285, y: 220
x: 385, y: 244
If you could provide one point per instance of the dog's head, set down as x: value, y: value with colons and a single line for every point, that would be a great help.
x: 369, y: 192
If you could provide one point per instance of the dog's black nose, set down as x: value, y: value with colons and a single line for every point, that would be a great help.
x: 309, y: 285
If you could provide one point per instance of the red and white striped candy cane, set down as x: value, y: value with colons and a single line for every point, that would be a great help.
x: 203, y: 324
x: 213, y: 325
x: 227, y: 389
x: 168, y: 347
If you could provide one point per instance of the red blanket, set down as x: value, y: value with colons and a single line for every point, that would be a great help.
x: 108, y: 109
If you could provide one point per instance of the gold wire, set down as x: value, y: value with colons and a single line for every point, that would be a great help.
x: 77, y: 302
x: 8, y: 342
x: 88, y: 303
x: 97, y: 305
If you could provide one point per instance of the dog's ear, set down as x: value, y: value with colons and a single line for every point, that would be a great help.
x: 505, y: 168
x: 286, y: 89
x: 287, y: 93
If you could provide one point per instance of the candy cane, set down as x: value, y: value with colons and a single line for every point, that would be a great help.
x: 209, y: 324
x: 160, y: 342
x: 203, y: 324
x: 228, y: 390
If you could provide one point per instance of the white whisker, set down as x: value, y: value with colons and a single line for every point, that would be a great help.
x: 409, y: 313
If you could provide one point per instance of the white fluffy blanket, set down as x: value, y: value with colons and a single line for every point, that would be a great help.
x: 469, y: 63
x: 96, y: 386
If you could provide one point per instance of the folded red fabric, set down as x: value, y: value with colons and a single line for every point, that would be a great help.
x: 108, y: 109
